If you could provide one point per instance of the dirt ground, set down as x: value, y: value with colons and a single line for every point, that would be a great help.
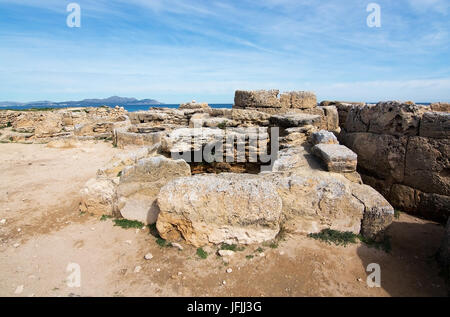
x: 44, y: 232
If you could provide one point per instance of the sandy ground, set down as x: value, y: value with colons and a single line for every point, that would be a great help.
x: 44, y: 233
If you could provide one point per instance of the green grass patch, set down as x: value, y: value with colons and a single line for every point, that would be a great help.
x: 231, y: 247
x: 249, y: 257
x: 105, y: 217
x: 126, y: 224
x: 260, y: 250
x: 334, y: 236
x: 202, y: 254
x: 344, y: 238
x: 163, y: 243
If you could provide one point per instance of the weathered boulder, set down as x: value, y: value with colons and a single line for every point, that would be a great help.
x: 98, y: 197
x: 435, y: 125
x: 331, y: 118
x: 440, y: 106
x: 140, y: 184
x: 258, y: 98
x: 299, y: 99
x: 379, y: 155
x: 427, y: 165
x: 323, y: 137
x: 378, y: 213
x: 393, y: 118
x: 231, y: 208
x: 337, y: 158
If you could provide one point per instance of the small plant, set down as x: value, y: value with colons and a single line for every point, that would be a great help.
x: 334, y: 236
x: 119, y: 174
x: 397, y: 214
x: 260, y: 250
x: 8, y: 124
x: 249, y: 257
x: 105, y: 217
x: 345, y: 238
x: 126, y: 224
x: 231, y: 247
x: 202, y: 253
x: 163, y: 243
x: 222, y: 125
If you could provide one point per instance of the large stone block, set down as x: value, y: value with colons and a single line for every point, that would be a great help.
x: 393, y: 118
x: 257, y: 98
x: 380, y: 155
x: 295, y: 120
x: 219, y: 208
x: 440, y: 106
x: 435, y: 125
x: 337, y: 158
x: 140, y: 184
x: 427, y: 165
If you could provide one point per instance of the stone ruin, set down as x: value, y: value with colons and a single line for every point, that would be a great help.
x: 310, y: 183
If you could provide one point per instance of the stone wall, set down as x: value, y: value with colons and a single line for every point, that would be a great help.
x: 403, y: 152
x: 274, y: 103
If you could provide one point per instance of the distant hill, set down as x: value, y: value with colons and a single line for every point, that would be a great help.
x: 111, y: 101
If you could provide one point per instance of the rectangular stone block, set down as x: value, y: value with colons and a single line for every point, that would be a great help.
x: 435, y: 125
x: 337, y: 158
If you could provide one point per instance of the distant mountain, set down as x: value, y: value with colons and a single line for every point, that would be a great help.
x: 111, y: 101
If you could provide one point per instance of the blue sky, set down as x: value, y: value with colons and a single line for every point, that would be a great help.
x: 179, y: 50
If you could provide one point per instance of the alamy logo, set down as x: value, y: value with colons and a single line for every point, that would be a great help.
x: 374, y: 278
x: 374, y: 18
x: 74, y: 18
x: 74, y: 278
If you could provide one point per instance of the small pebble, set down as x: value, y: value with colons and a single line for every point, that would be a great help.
x: 3, y: 221
x: 281, y: 252
x: 158, y: 270
x: 177, y: 245
x: 148, y: 256
x: 128, y: 241
x: 180, y: 273
x: 137, y: 269
x: 18, y: 230
x: 262, y: 254
x: 16, y: 245
x: 229, y: 270
x: 224, y: 282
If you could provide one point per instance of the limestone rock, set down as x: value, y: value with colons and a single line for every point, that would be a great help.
x: 295, y: 120
x: 427, y: 165
x: 393, y: 118
x: 230, y: 208
x: 98, y: 196
x: 323, y: 137
x: 337, y: 158
x: 316, y: 200
x: 140, y: 184
x: 378, y: 213
x: 440, y: 106
x: 380, y: 155
x: 258, y: 98
x: 435, y: 125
